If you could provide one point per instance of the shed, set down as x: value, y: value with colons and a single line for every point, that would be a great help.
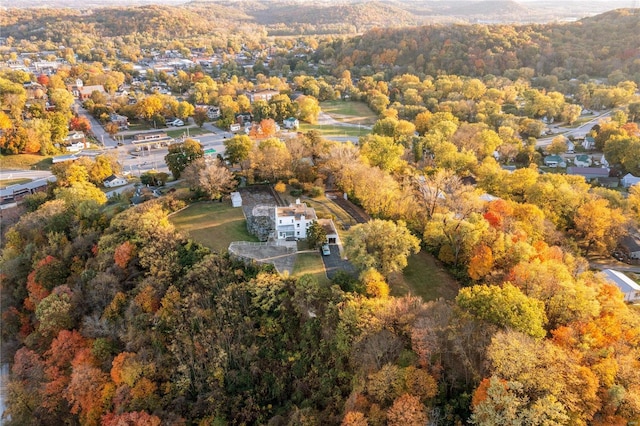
x: 236, y: 199
x: 627, y: 286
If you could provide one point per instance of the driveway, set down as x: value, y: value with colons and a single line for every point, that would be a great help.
x: 334, y: 263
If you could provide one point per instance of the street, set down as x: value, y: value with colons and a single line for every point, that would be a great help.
x: 578, y: 132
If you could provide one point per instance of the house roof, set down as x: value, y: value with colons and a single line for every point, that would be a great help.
x: 328, y: 226
x: 296, y: 210
x: 111, y: 178
x: 623, y: 282
x: 588, y: 171
x: 631, y: 243
x: 582, y: 157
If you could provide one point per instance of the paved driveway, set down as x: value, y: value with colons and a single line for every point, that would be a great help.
x: 334, y: 263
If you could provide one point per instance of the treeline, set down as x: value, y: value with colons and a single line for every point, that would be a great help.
x: 595, y: 46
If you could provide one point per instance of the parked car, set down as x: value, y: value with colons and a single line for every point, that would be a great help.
x: 326, y: 251
x: 177, y: 122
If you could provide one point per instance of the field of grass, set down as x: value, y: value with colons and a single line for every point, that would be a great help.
x: 350, y: 112
x: 193, y: 132
x: 212, y: 224
x: 424, y: 277
x: 330, y: 130
x: 8, y: 182
x: 25, y: 162
x: 327, y: 209
x: 310, y: 263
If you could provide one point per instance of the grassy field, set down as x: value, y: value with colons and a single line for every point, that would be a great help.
x: 424, y: 277
x: 350, y: 112
x: 193, y: 132
x: 310, y: 263
x: 25, y: 162
x: 330, y: 130
x: 212, y: 224
x: 326, y: 209
x: 8, y: 182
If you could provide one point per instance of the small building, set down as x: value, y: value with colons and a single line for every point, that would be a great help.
x: 589, y: 173
x: 61, y: 158
x: 120, y: 120
x: 84, y: 92
x: 589, y: 143
x: 236, y: 199
x: 582, y: 160
x: 631, y: 245
x: 262, y: 95
x: 554, y: 161
x: 292, y: 222
x: 113, y: 181
x: 331, y: 231
x: 291, y: 123
x: 629, y: 180
x: 627, y: 286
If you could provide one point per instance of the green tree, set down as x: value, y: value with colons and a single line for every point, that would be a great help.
x: 382, y: 151
x: 309, y: 109
x: 504, y: 306
x: 180, y: 155
x: 316, y: 235
x: 237, y: 149
x: 380, y: 244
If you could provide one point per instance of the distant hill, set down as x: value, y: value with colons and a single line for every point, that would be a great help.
x: 358, y: 15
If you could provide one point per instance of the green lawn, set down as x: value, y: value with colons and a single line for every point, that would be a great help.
x: 212, y: 224
x: 329, y: 130
x: 349, y: 112
x: 310, y: 263
x: 424, y: 277
x: 193, y: 131
x: 25, y: 162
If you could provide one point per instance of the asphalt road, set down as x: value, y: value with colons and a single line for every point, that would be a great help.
x: 334, y: 263
x: 578, y: 132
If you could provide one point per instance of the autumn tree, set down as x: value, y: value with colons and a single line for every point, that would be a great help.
x: 380, y: 244
x: 211, y: 177
x: 237, y: 149
x: 316, y: 235
x: 504, y: 306
x: 599, y: 227
x: 180, y: 155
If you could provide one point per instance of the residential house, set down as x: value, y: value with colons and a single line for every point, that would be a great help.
x: 629, y: 180
x: 243, y: 118
x: 17, y: 192
x: 77, y: 140
x: 113, y: 181
x: 631, y: 245
x: 582, y: 160
x: 589, y: 143
x: 291, y: 123
x: 264, y: 95
x: 85, y: 92
x: 571, y: 147
x: 292, y: 222
x: 554, y: 161
x: 120, y: 120
x: 627, y: 286
x: 589, y: 173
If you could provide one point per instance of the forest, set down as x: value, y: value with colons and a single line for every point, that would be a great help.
x: 110, y: 316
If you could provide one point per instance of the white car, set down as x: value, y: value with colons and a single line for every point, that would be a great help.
x: 177, y: 122
x: 326, y: 251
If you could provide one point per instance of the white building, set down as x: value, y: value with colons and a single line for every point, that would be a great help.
x: 629, y: 180
x: 236, y: 199
x: 627, y: 286
x: 113, y: 181
x: 292, y: 221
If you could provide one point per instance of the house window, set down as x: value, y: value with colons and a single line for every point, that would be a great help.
x: 297, y: 232
x: 280, y: 221
x: 298, y: 225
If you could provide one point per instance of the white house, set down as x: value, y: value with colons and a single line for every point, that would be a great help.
x: 582, y: 160
x: 113, y: 181
x: 293, y: 221
x: 291, y: 123
x: 629, y: 180
x: 627, y: 286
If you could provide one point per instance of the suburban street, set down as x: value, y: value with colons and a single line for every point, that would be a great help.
x: 578, y: 132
